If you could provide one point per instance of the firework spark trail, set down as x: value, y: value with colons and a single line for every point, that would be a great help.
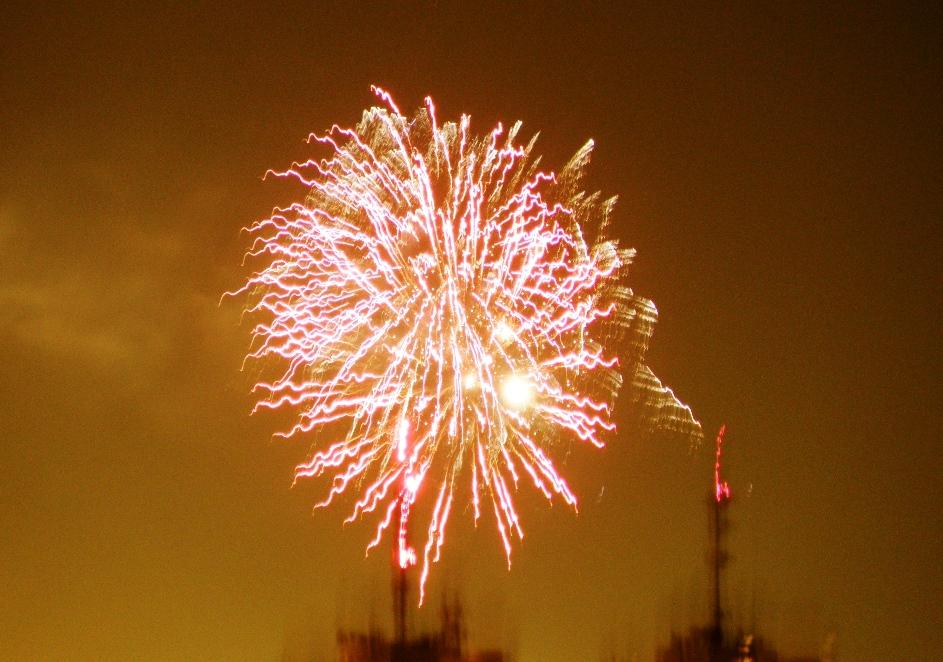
x: 722, y: 490
x: 435, y: 300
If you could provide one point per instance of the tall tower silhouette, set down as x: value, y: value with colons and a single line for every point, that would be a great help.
x: 717, y: 513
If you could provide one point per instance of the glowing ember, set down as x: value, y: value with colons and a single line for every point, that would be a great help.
x: 434, y: 303
x: 721, y: 488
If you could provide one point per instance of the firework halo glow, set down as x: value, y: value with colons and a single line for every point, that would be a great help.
x: 435, y: 304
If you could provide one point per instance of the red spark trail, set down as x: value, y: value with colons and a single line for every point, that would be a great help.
x: 721, y: 488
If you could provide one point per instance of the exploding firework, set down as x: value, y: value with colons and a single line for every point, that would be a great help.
x: 435, y: 303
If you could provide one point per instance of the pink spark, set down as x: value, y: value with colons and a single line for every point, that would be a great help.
x: 722, y: 490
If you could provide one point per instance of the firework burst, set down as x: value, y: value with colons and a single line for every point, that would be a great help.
x: 435, y: 302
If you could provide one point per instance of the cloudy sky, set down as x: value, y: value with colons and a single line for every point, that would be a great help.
x: 778, y: 171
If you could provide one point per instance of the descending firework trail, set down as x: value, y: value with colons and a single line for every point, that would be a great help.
x: 721, y: 487
x: 434, y: 303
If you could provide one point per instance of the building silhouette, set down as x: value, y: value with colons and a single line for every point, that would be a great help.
x: 447, y: 644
